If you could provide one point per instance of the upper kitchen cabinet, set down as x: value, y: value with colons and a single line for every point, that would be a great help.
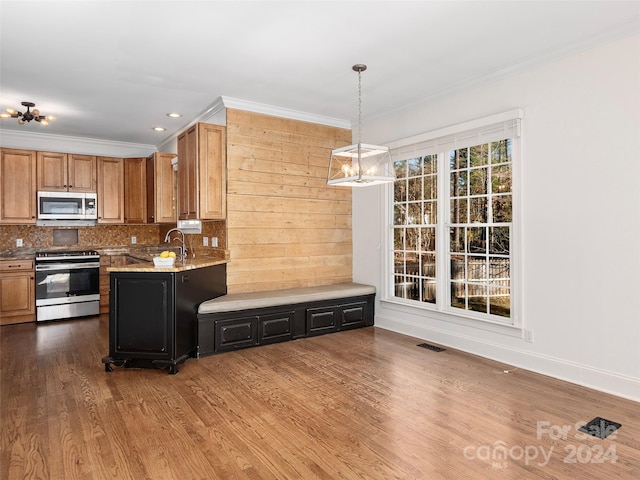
x: 161, y: 188
x: 66, y: 172
x: 110, y: 190
x: 135, y: 190
x: 202, y: 173
x: 17, y: 186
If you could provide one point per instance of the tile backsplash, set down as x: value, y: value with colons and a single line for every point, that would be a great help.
x: 102, y: 235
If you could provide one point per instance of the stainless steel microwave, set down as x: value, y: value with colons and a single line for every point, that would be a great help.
x: 67, y: 206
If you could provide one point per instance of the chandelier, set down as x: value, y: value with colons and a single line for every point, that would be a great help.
x: 361, y: 164
x: 28, y: 115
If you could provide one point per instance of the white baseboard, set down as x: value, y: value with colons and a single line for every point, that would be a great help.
x: 583, y: 375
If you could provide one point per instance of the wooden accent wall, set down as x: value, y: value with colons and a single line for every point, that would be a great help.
x: 285, y: 227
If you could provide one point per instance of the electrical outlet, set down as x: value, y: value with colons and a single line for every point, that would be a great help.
x: 133, y: 240
x: 205, y: 241
x: 214, y: 241
x: 18, y: 242
x: 528, y: 336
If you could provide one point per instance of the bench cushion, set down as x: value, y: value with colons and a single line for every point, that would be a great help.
x: 270, y: 298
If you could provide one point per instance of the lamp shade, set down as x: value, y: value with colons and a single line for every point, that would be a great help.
x: 360, y: 165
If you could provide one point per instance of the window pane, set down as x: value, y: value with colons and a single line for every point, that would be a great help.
x: 458, y: 159
x: 428, y: 261
x: 501, y: 151
x: 400, y: 214
x: 478, y: 181
x: 400, y: 191
x: 476, y: 268
x: 428, y: 239
x: 477, y: 239
x: 459, y: 210
x: 414, y: 215
x: 412, y: 239
x: 477, y: 298
x: 456, y: 239
x: 430, y: 164
x: 430, y: 187
x: 415, y: 189
x: 458, y: 184
x: 429, y: 290
x: 501, y: 179
x: 501, y: 209
x: 500, y: 301
x: 400, y: 168
x: 499, y: 269
x: 398, y: 238
x: 478, y: 210
x: 499, y: 243
x: 457, y: 267
x: 430, y: 213
x: 479, y: 155
x: 458, y: 295
x: 415, y: 167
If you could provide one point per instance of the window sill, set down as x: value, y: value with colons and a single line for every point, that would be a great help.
x: 449, y: 317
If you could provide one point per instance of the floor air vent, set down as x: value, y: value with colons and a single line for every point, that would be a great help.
x: 600, y: 427
x: 431, y: 347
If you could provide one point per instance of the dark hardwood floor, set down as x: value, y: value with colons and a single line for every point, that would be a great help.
x: 362, y: 404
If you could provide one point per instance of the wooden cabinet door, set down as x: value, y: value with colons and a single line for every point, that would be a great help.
x: 17, y: 186
x: 135, y: 190
x: 188, y: 174
x: 161, y: 189
x: 182, y: 176
x: 151, y: 188
x: 17, y: 292
x: 51, y: 171
x: 82, y: 173
x: 213, y: 172
x: 110, y: 190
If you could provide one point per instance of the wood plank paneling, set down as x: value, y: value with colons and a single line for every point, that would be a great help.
x: 285, y: 227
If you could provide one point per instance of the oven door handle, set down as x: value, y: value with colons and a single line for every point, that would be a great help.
x: 66, y: 266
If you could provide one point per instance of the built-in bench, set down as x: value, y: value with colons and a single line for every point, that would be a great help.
x: 241, y: 320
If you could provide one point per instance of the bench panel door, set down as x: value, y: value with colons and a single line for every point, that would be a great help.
x: 276, y: 327
x: 353, y: 315
x: 321, y: 320
x: 236, y: 333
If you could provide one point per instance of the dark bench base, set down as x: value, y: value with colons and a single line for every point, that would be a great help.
x: 224, y: 331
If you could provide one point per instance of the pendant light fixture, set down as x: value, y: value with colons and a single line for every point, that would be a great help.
x: 361, y: 164
x: 28, y: 115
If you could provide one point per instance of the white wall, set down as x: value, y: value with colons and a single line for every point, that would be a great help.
x: 580, y: 218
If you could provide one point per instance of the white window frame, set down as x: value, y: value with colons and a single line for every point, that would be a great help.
x: 430, y: 143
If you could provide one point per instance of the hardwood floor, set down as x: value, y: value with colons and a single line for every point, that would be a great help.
x: 362, y: 404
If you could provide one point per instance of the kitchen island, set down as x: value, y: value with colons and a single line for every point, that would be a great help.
x: 153, y: 311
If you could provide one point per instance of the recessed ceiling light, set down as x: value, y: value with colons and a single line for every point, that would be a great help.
x: 174, y: 115
x: 159, y: 129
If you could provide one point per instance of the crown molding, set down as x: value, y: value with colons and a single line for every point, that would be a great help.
x: 238, y: 104
x: 81, y: 145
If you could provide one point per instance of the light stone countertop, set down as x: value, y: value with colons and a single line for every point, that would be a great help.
x: 199, y: 261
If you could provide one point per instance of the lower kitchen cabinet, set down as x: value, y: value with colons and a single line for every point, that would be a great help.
x: 153, y: 315
x: 17, y: 292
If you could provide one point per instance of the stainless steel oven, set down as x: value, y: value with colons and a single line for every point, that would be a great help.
x: 67, y: 284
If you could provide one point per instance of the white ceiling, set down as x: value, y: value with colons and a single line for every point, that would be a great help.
x: 111, y: 70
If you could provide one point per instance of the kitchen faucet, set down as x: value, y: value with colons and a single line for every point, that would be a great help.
x: 183, y: 249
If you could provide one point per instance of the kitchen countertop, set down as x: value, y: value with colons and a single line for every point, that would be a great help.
x: 199, y: 261
x: 143, y: 254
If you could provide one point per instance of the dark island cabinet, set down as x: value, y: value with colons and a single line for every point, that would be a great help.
x: 153, y: 315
